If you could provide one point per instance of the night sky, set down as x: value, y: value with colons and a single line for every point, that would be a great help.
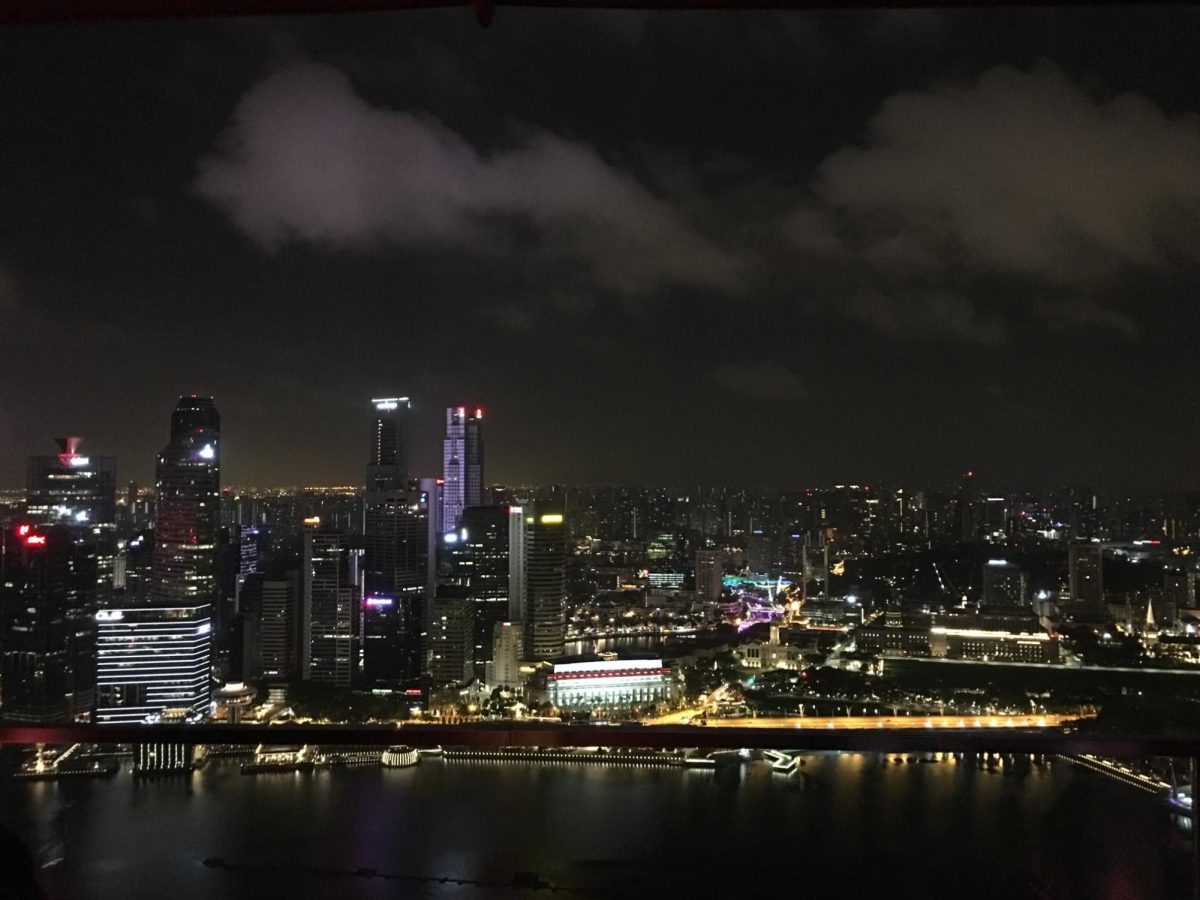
x: 758, y: 248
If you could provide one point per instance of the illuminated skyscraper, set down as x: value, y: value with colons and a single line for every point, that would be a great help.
x: 477, y: 557
x: 278, y: 656
x: 70, y: 487
x: 1004, y: 584
x: 395, y: 586
x: 1085, y: 564
x: 709, y: 575
x: 387, y: 465
x: 966, y: 508
x: 187, y: 507
x: 153, y: 661
x: 79, y: 491
x: 154, y: 657
x: 504, y: 668
x: 47, y: 624
x: 516, y: 564
x: 462, y: 464
x: 452, y: 636
x: 330, y: 604
x: 545, y: 580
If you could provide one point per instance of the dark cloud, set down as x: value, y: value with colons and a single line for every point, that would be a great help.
x: 906, y: 25
x: 1020, y: 175
x: 307, y: 160
x: 930, y: 314
x: 768, y: 380
x: 1020, y: 172
x: 1081, y: 311
x: 8, y: 290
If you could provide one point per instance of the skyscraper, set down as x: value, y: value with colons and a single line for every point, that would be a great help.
x: 1004, y: 584
x: 278, y: 630
x: 187, y: 507
x: 70, y: 487
x: 387, y: 465
x: 249, y: 557
x: 154, y: 657
x: 545, y: 580
x: 516, y: 565
x: 432, y: 489
x: 462, y: 464
x: 1085, y: 572
x: 153, y: 661
x: 476, y: 556
x: 452, y: 636
x: 79, y: 491
x: 709, y: 575
x: 966, y: 508
x: 397, y: 541
x: 330, y: 603
x: 504, y: 668
x: 47, y: 624
x: 395, y: 586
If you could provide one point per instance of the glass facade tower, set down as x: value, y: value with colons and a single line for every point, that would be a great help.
x: 462, y: 464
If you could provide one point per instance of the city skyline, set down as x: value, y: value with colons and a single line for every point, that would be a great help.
x: 837, y: 489
x: 430, y: 446
x: 705, y: 265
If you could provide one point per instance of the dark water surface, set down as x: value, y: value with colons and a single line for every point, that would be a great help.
x: 847, y: 826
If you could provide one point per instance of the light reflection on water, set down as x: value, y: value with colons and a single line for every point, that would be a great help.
x: 951, y: 828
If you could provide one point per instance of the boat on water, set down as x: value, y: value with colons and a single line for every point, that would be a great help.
x: 399, y: 756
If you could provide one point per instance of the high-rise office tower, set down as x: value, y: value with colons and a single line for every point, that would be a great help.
x: 278, y: 630
x: 516, y: 565
x: 249, y: 552
x: 1085, y: 572
x: 1180, y: 587
x: 331, y: 594
x: 396, y: 586
x: 47, y: 624
x: 250, y: 617
x: 452, y: 636
x: 966, y: 508
x: 432, y: 489
x: 462, y: 464
x: 1004, y: 584
x: 187, y: 507
x: 995, y: 519
x: 387, y: 465
x: 154, y: 653
x: 504, y: 668
x: 153, y: 661
x: 133, y: 568
x: 80, y: 491
x: 759, y: 552
x: 476, y: 556
x: 545, y: 580
x: 709, y: 575
x: 396, y: 550
x: 70, y: 487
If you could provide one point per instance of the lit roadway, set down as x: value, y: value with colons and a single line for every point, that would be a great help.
x: 859, y: 723
x: 911, y: 735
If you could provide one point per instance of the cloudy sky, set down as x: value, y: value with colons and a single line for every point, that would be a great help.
x: 756, y: 248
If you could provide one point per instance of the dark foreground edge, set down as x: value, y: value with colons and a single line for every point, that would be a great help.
x: 83, y: 10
